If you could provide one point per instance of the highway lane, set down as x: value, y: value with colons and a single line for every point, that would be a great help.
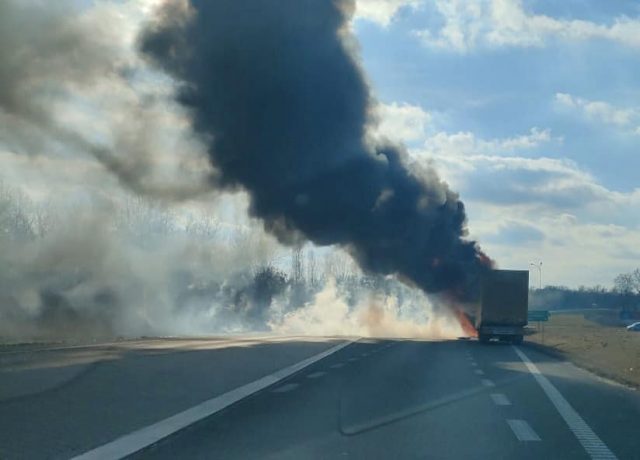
x: 412, y: 399
x: 372, y: 399
x: 61, y: 401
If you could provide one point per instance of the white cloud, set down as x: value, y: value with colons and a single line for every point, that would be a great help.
x: 466, y: 143
x: 574, y: 250
x: 404, y: 123
x: 501, y: 23
x: 407, y: 123
x: 490, y: 171
x: 382, y: 11
x: 522, y: 209
x: 600, y: 111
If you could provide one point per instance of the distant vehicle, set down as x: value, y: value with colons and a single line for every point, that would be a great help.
x: 634, y: 327
x: 504, y: 305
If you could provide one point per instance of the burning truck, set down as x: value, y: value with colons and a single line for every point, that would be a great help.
x: 503, y: 308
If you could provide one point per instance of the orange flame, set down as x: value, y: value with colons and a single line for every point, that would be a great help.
x: 465, y: 324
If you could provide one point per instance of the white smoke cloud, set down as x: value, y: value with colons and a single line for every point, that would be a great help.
x: 374, y: 315
x: 99, y: 268
x: 73, y: 85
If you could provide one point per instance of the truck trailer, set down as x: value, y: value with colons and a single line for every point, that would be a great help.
x: 504, y: 304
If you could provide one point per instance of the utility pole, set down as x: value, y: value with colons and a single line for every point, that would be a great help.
x: 539, y: 267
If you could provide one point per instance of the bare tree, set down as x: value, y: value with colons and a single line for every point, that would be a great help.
x: 143, y: 217
x: 624, y: 283
x: 297, y: 265
x: 204, y: 228
x: 15, y: 221
x: 311, y: 268
x: 340, y: 266
x: 43, y: 220
x: 635, y: 275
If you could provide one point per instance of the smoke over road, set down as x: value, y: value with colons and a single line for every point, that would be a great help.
x: 277, y: 89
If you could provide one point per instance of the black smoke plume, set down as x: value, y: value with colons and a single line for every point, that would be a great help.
x: 277, y: 88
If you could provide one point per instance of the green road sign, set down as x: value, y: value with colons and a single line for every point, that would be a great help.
x: 538, y: 315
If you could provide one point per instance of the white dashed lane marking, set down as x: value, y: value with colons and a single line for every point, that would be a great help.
x: 353, y: 359
x: 523, y: 431
x: 500, y: 399
x: 316, y: 375
x: 488, y: 383
x: 286, y: 388
x: 474, y: 364
x: 336, y: 365
x: 479, y: 372
x: 590, y: 441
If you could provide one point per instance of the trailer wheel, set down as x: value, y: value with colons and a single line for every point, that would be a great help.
x: 484, y: 338
x: 517, y: 339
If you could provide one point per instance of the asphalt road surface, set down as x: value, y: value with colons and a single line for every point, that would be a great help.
x: 296, y: 398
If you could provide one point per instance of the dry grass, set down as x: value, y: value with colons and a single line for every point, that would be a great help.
x: 609, y: 351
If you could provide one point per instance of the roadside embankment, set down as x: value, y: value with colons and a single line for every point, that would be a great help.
x: 609, y: 351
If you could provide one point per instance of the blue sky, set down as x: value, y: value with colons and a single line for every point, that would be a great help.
x: 531, y: 110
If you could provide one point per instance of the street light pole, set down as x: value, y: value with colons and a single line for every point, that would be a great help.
x: 539, y: 267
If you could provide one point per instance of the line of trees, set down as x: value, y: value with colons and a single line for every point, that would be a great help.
x: 624, y: 295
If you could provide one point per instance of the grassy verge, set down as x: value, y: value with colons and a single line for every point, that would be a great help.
x: 610, y: 351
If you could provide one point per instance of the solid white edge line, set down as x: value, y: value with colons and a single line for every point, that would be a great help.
x: 590, y: 441
x: 137, y: 440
